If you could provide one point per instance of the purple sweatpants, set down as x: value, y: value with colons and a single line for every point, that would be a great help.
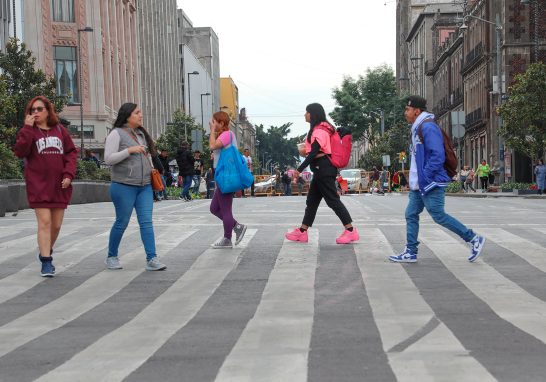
x: 221, y: 208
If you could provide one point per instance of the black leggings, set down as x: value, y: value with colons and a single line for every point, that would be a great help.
x: 483, y: 181
x: 322, y: 186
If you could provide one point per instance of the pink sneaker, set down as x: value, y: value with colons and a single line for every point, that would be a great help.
x: 348, y: 236
x: 297, y: 235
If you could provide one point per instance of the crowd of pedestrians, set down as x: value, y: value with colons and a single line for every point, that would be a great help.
x: 130, y: 153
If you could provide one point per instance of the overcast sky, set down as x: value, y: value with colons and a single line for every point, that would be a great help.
x: 286, y: 54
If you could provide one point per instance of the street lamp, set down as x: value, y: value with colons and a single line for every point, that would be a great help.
x: 382, y: 115
x: 404, y: 79
x: 525, y: 2
x: 189, y: 90
x: 206, y: 95
x: 422, y: 58
x: 185, y: 124
x: 224, y: 107
x: 80, y: 104
x: 394, y: 115
x: 498, y: 30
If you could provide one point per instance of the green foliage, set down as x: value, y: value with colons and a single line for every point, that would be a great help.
x: 358, y: 100
x: 388, y: 145
x: 22, y: 83
x: 173, y: 134
x: 524, y: 114
x: 517, y: 186
x: 177, y: 191
x: 11, y: 167
x: 453, y: 187
x: 7, y: 107
x: 276, y: 143
x: 88, y: 170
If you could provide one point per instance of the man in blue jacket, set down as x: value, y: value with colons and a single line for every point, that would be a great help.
x: 427, y: 182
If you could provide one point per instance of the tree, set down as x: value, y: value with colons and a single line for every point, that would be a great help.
x: 358, y: 100
x: 390, y: 144
x: 524, y: 114
x: 169, y: 139
x: 23, y: 82
x: 274, y: 141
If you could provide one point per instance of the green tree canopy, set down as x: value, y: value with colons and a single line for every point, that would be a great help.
x: 173, y: 134
x: 358, y: 100
x: 22, y: 83
x: 276, y: 143
x: 524, y: 115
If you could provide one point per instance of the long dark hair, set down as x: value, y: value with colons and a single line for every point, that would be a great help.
x: 124, y: 113
x: 318, y: 115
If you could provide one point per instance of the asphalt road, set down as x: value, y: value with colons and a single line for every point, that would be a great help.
x: 273, y: 310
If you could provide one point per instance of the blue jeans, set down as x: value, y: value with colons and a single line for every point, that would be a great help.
x: 197, y: 179
x: 287, y: 189
x: 210, y: 186
x: 125, y: 198
x: 434, y: 201
x: 187, y: 183
x: 158, y: 193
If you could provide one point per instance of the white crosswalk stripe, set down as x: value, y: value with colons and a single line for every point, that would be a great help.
x: 150, y: 329
x: 91, y: 293
x: 400, y: 311
x: 275, y: 343
x: 507, y: 299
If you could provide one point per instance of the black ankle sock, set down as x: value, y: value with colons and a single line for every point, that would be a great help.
x: 350, y: 229
x: 302, y: 230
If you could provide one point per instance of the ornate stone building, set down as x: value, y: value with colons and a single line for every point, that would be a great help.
x: 109, y: 58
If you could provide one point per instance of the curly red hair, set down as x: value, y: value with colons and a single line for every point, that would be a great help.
x: 52, y: 119
x: 222, y: 117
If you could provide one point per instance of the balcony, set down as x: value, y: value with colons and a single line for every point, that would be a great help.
x: 473, y: 55
x: 474, y: 117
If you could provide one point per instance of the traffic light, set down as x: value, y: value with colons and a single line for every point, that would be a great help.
x: 403, y: 157
x: 400, y: 156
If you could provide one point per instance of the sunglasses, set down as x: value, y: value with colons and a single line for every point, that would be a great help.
x: 39, y: 109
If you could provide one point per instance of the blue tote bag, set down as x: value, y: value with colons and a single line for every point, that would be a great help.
x: 232, y: 174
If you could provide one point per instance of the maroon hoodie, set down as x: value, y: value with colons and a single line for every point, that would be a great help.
x: 51, y: 157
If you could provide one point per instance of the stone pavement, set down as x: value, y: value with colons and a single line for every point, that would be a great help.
x: 273, y: 310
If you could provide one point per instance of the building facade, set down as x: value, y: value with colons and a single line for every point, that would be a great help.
x: 230, y: 97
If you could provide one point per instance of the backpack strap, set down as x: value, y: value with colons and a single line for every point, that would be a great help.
x: 419, y: 132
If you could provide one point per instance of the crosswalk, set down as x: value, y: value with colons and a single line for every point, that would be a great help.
x: 275, y: 343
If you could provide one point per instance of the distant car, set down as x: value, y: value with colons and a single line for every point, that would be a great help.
x: 354, y: 179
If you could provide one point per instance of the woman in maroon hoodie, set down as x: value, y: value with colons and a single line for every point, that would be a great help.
x: 51, y: 166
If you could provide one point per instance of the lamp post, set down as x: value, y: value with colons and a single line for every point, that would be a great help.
x: 80, y: 104
x: 422, y: 58
x: 189, y: 90
x: 263, y: 158
x: 525, y: 2
x: 206, y: 94
x: 224, y: 107
x: 498, y: 30
x: 185, y: 124
x: 394, y: 112
x: 382, y: 115
x: 404, y: 79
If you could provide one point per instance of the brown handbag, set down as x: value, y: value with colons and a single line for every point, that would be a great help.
x: 157, y: 183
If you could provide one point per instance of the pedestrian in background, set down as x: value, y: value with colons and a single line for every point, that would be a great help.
x: 128, y: 150
x: 185, y: 160
x: 428, y: 180
x: 198, y: 167
x: 483, y: 175
x: 287, y: 183
x: 300, y: 183
x: 323, y: 184
x: 50, y: 168
x: 466, y: 178
x: 165, y: 174
x: 248, y: 160
x: 90, y: 157
x: 222, y: 203
x: 277, y: 181
x: 375, y: 179
x: 395, y: 181
x: 384, y: 178
x: 209, y: 178
x: 540, y: 170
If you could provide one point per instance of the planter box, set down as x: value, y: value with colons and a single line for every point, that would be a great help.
x: 23, y: 200
x: 3, y: 199
x: 91, y: 196
x: 12, y: 201
x: 506, y: 189
x: 79, y: 192
x: 525, y: 192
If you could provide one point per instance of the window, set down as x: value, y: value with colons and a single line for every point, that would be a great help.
x: 169, y: 29
x: 62, y: 11
x: 88, y: 131
x: 65, y: 65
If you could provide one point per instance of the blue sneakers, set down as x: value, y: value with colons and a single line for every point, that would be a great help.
x: 48, y: 270
x: 408, y: 256
x: 476, y: 246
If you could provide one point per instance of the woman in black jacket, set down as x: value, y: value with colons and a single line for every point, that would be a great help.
x: 185, y: 160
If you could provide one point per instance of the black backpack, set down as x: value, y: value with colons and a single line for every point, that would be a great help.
x: 284, y: 178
